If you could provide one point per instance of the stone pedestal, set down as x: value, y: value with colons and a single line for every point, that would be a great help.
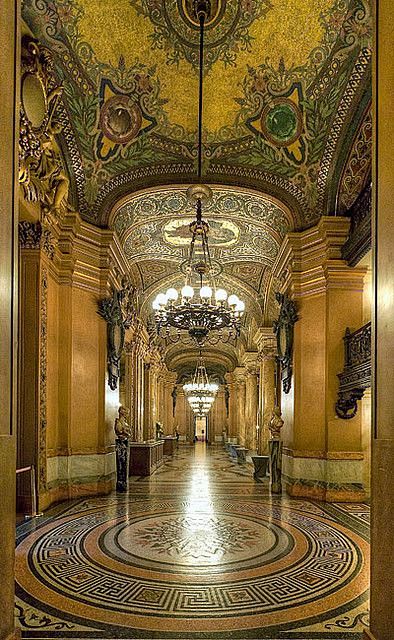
x: 241, y: 454
x: 122, y: 467
x: 275, y: 449
x: 261, y: 464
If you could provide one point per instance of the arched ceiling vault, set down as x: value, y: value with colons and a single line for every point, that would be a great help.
x: 283, y: 86
x: 246, y: 231
x: 285, y: 125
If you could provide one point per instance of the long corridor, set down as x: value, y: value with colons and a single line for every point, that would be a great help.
x: 198, y: 550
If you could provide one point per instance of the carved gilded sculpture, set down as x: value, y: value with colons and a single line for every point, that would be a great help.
x: 41, y: 172
x: 275, y: 424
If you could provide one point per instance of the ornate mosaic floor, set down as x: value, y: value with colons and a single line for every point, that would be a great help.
x: 199, y: 550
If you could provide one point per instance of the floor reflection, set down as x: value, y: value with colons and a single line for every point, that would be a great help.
x: 198, y: 550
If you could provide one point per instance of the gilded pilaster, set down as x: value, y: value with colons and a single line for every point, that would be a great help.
x: 239, y: 374
x: 329, y: 297
x: 266, y: 344
x: 251, y: 399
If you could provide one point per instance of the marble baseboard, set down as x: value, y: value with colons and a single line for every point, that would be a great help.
x: 71, y: 491
x: 80, y: 469
x: 326, y: 479
x: 78, y: 475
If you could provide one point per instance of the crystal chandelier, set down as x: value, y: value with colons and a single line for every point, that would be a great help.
x: 200, y: 392
x: 209, y: 308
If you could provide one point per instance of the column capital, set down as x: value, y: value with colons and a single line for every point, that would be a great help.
x: 265, y: 340
x: 250, y: 362
x: 239, y: 375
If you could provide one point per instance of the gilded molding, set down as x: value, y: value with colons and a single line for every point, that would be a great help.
x: 323, y: 455
x: 42, y: 458
x: 33, y: 235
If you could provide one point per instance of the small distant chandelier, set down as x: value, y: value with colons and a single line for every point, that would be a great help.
x: 200, y: 392
x: 209, y: 308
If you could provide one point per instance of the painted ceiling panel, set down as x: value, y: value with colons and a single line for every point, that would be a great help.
x: 282, y: 80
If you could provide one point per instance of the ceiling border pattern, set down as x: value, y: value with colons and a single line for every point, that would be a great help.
x: 360, y: 68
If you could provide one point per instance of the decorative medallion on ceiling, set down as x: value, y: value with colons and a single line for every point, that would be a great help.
x: 176, y: 30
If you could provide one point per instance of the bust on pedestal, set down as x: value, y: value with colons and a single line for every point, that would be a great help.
x: 275, y: 449
x: 122, y: 431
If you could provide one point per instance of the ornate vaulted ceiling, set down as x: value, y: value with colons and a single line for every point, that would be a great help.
x: 286, y: 126
x: 246, y: 231
x: 286, y: 90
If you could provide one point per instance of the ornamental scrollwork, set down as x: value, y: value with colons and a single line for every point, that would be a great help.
x: 283, y: 329
x: 356, y: 374
x: 118, y: 310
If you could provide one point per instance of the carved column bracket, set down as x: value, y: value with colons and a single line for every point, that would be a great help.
x: 356, y: 375
x: 284, y: 330
x: 118, y: 310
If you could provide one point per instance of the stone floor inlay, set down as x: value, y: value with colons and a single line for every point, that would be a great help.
x: 199, y: 550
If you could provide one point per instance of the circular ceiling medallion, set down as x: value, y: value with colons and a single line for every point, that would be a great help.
x: 120, y: 119
x: 222, y: 233
x: 281, y: 122
x: 187, y: 11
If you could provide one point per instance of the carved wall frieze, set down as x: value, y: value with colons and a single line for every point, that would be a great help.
x: 42, y: 438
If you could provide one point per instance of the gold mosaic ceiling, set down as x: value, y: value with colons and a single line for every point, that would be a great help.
x: 285, y: 128
x: 287, y: 86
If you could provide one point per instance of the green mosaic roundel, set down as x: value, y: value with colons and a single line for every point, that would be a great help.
x: 281, y: 122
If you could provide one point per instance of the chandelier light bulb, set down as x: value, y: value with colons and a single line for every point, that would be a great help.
x: 187, y: 292
x: 155, y: 305
x: 240, y: 306
x: 221, y: 295
x: 205, y: 293
x: 172, y: 294
x: 162, y: 299
x: 233, y: 300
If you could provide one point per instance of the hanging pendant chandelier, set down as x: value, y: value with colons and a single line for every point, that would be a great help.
x: 199, y: 307
x: 200, y: 392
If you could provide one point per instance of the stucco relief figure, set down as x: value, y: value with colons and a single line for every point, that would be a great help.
x: 275, y: 424
x: 121, y: 426
x: 50, y: 169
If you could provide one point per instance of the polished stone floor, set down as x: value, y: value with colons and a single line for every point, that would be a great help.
x: 198, y: 550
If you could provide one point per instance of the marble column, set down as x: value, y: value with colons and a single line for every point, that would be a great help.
x: 251, y: 400
x: 147, y: 407
x: 230, y: 406
x: 382, y: 485
x: 9, y: 117
x: 129, y: 386
x: 266, y: 343
x: 239, y: 398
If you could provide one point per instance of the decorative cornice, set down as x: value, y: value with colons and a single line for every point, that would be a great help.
x: 311, y: 261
